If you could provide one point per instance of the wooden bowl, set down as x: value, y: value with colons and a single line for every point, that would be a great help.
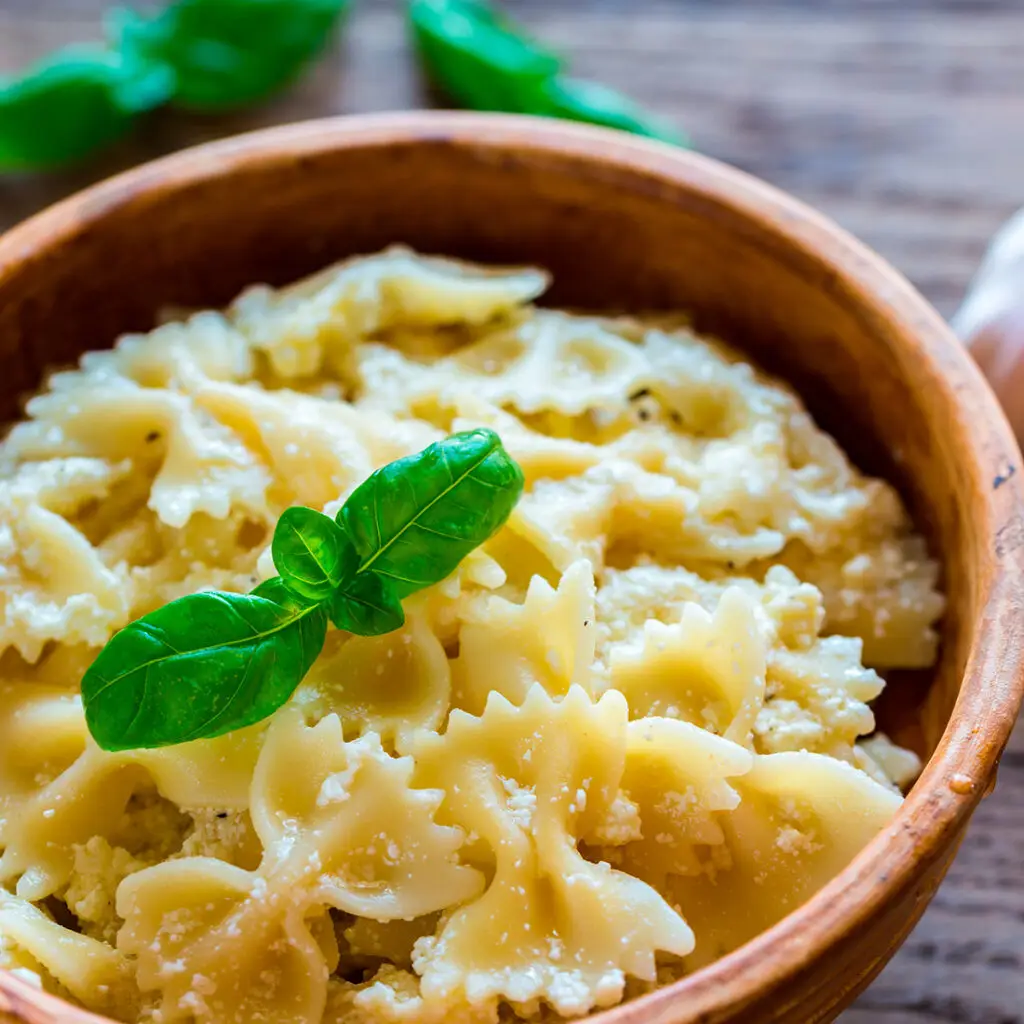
x: 633, y: 225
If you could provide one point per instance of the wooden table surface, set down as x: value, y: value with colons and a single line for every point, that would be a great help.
x: 904, y: 121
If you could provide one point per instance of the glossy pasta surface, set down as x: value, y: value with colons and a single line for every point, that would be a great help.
x: 629, y: 732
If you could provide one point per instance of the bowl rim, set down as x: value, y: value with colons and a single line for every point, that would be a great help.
x: 962, y: 768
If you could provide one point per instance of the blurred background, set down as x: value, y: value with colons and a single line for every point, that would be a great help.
x: 903, y: 121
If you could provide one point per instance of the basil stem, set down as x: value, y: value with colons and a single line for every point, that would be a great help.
x: 483, y: 61
x: 229, y: 53
x: 73, y: 104
x: 213, y: 662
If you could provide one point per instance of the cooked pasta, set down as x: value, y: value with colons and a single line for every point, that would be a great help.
x: 630, y: 731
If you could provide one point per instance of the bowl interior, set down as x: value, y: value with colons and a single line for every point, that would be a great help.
x: 622, y: 226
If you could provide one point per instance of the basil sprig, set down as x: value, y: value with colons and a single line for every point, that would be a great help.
x: 203, y: 55
x: 213, y: 662
x: 484, y: 61
x: 226, y: 54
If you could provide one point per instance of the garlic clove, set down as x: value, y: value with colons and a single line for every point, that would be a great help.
x: 991, y: 319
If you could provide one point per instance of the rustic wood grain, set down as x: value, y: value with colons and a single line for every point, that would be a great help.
x: 903, y: 121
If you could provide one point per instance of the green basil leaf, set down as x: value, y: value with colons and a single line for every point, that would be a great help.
x: 414, y: 520
x: 201, y: 666
x: 229, y: 53
x: 367, y: 605
x: 479, y: 58
x: 310, y: 552
x: 574, y: 99
x: 73, y: 104
x: 484, y: 61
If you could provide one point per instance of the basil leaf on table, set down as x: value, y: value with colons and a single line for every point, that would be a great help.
x: 477, y: 56
x: 367, y: 605
x: 310, y: 552
x: 414, y: 520
x: 484, y: 61
x: 228, y: 53
x: 73, y: 104
x: 201, y: 666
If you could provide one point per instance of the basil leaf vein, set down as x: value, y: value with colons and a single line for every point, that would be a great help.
x: 201, y: 666
x: 414, y: 520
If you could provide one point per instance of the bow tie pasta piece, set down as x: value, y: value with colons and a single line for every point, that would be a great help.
x: 618, y: 505
x: 743, y: 478
x: 205, y: 469
x: 800, y: 820
x: 340, y: 827
x: 705, y: 669
x: 540, y: 456
x: 388, y: 685
x: 192, y: 463
x: 211, y: 773
x: 344, y: 817
x: 220, y: 947
x: 803, y: 692
x: 567, y: 520
x: 710, y: 391
x: 787, y: 611
x: 630, y: 598
x: 91, y: 971
x: 319, y: 320
x: 529, y: 782
x: 757, y: 454
x: 394, y: 384
x: 85, y: 800
x: 679, y: 777
x: 54, y: 585
x: 89, y: 797
x: 179, y: 355
x: 42, y: 733
x: 313, y: 451
x: 506, y: 647
x: 554, y: 362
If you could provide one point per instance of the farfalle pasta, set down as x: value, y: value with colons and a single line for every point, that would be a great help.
x: 630, y: 731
